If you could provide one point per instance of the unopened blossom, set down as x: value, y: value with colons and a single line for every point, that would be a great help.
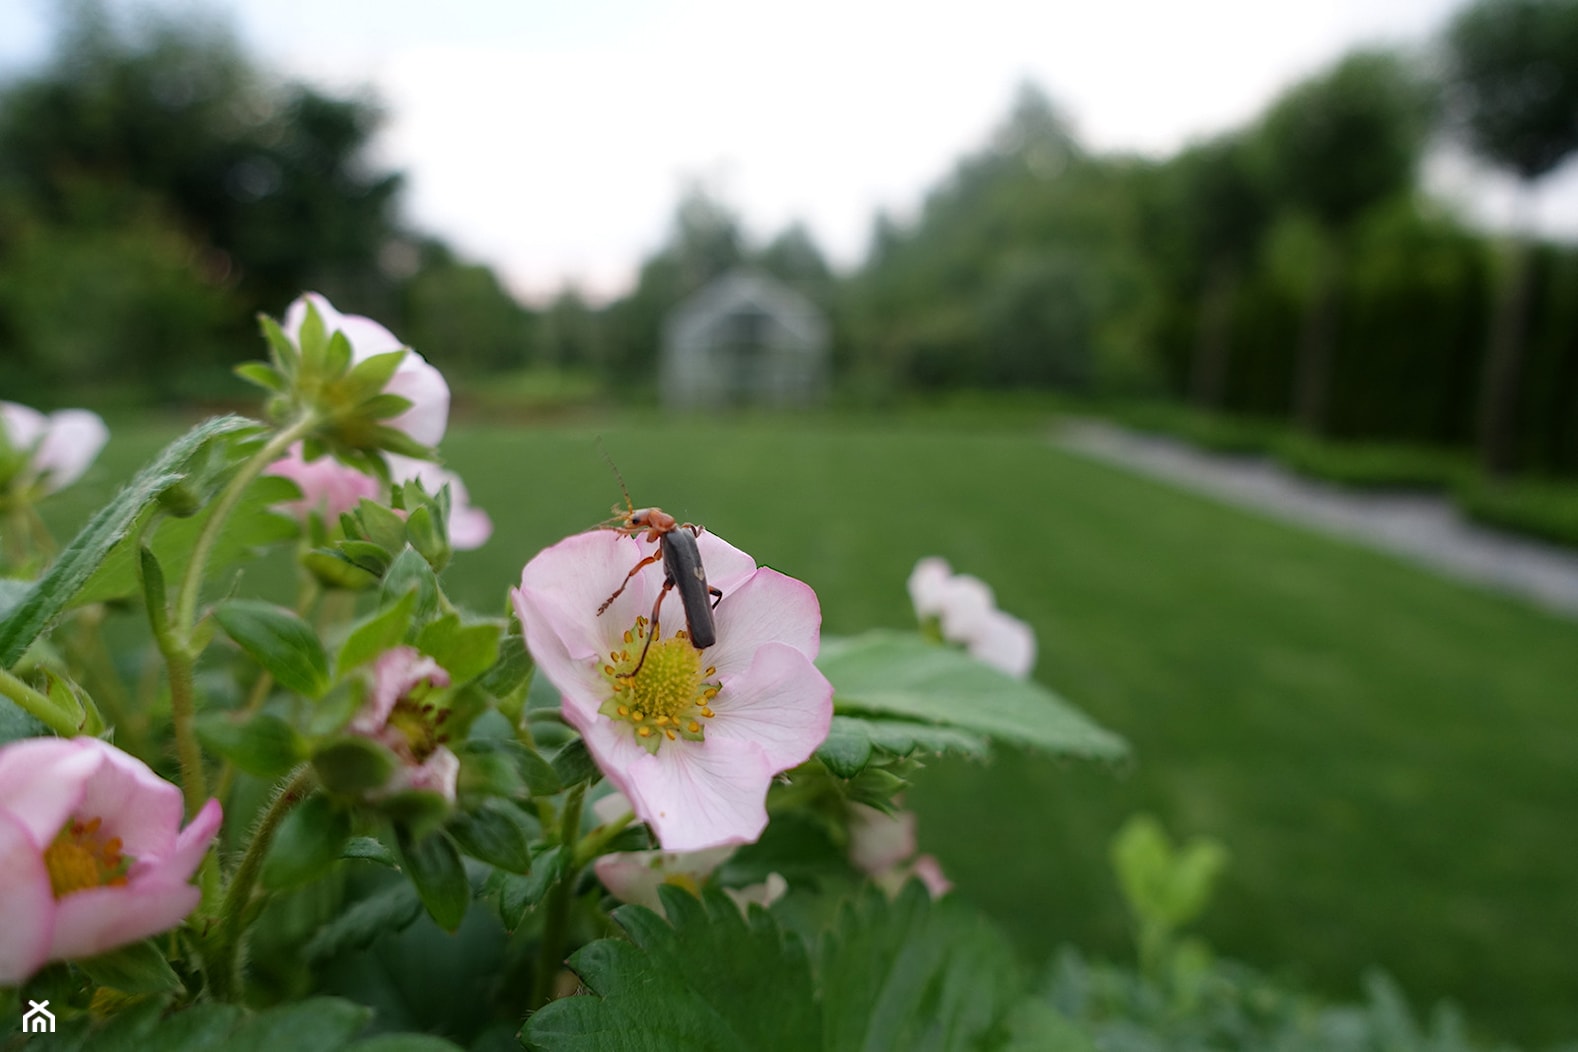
x: 692, y: 737
x: 92, y: 853
x: 636, y: 876
x: 327, y: 486
x: 48, y: 452
x: 882, y: 845
x: 415, y: 380
x: 965, y: 612
x: 398, y: 715
x: 469, y: 526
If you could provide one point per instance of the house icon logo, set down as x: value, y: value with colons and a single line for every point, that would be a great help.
x: 39, y: 1019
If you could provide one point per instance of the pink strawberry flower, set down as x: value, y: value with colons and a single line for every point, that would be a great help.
x: 692, y: 737
x: 882, y: 846
x: 397, y: 714
x: 92, y: 853
x: 414, y: 380
x: 52, y: 451
x: 327, y: 486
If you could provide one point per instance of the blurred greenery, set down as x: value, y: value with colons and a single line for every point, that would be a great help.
x: 1386, y: 753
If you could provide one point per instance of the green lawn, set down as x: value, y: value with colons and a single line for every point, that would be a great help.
x: 1389, y: 756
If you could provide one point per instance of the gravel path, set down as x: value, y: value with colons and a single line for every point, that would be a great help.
x: 1423, y: 528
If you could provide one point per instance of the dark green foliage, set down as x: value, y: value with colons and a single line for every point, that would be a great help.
x: 1513, y: 66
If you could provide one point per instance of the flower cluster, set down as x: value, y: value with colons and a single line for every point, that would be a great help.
x: 692, y: 737
x: 92, y: 852
x: 331, y: 488
x: 963, y: 609
x: 398, y: 715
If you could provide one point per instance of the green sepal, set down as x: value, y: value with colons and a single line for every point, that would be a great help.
x: 332, y: 569
x: 153, y: 590
x: 380, y: 525
x: 262, y: 375
x: 366, y: 555
x: 383, y: 407
x: 336, y: 358
x: 429, y: 536
x: 411, y: 573
x: 574, y: 764
x: 376, y: 633
x: 282, y: 351
x: 465, y: 650
x: 307, y: 844
x: 278, y: 640
x: 368, y: 377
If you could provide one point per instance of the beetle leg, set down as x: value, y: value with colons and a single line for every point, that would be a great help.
x: 717, y: 596
x: 643, y: 564
x: 652, y: 633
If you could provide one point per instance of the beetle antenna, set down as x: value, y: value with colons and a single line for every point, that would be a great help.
x: 615, y: 469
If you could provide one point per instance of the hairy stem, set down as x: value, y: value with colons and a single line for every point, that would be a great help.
x: 37, y: 705
x: 223, y: 954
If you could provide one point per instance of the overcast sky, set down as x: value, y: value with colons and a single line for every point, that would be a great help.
x: 552, y: 139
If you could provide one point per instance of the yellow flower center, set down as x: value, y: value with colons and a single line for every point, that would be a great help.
x: 420, y: 724
x: 663, y: 697
x: 81, y: 856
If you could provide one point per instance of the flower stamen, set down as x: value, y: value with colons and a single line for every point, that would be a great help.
x: 81, y: 857
x: 665, y: 691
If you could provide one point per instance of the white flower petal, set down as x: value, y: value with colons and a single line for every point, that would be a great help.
x: 782, y: 704
x: 1004, y: 642
x: 926, y: 585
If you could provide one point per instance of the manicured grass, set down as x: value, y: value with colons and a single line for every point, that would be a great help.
x: 1388, y: 755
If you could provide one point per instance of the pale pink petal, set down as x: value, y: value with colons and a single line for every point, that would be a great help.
x: 469, y: 528
x: 727, y: 567
x: 967, y: 601
x: 396, y: 673
x: 635, y: 876
x: 24, y: 425
x: 439, y: 773
x: 191, y: 845
x: 89, y: 922
x: 701, y: 795
x: 71, y: 443
x: 296, y: 314
x: 424, y: 386
x: 1004, y: 642
x: 42, y: 782
x: 611, y: 808
x: 367, y: 338
x: 135, y: 804
x: 327, y: 486
x: 928, y: 871
x: 879, y: 841
x: 782, y: 704
x: 927, y: 584
x: 768, y: 607
x: 764, y: 894
x: 27, y: 904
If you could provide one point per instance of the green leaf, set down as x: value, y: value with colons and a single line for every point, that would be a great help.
x: 518, y: 893
x: 375, y: 634
x: 465, y: 650
x: 434, y: 866
x: 262, y: 745
x: 389, y: 909
x: 318, y: 1024
x: 153, y: 590
x: 253, y: 525
x: 351, y: 765
x: 280, y: 641
x: 429, y: 536
x: 510, y: 672
x: 380, y: 525
x: 334, y: 570
x: 16, y: 723
x: 404, y: 1043
x: 1165, y: 886
x: 139, y: 968
x: 712, y: 981
x: 900, y: 674
x: 495, y: 833
x: 851, y: 741
x: 1035, y: 1026
x: 308, y: 842
x: 914, y: 974
x: 116, y: 522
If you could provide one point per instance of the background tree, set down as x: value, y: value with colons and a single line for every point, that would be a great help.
x: 1333, y: 146
x: 1513, y: 75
